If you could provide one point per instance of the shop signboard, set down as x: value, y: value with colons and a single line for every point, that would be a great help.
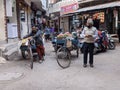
x: 69, y: 9
x: 12, y: 30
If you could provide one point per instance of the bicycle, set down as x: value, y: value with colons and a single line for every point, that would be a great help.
x: 64, y: 53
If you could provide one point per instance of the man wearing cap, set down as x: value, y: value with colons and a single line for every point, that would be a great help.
x: 89, y: 34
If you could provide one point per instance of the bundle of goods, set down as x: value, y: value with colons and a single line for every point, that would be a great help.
x: 24, y: 41
x: 61, y: 36
x: 67, y: 34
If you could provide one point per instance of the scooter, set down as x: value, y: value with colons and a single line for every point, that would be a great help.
x: 26, y: 45
x: 111, y: 42
x: 101, y: 43
x: 28, y: 48
x: 99, y: 46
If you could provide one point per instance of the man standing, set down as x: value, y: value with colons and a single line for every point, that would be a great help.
x: 89, y: 34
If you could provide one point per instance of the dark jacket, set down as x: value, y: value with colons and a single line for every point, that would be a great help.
x: 96, y: 23
x: 37, y: 36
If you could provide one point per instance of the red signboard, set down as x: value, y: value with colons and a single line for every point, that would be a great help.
x: 69, y: 9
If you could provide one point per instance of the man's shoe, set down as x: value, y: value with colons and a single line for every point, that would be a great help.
x: 43, y: 59
x: 91, y: 65
x: 40, y: 61
x: 85, y: 65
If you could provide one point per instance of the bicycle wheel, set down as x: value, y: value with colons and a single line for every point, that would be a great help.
x: 63, y: 57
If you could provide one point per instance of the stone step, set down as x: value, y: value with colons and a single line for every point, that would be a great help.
x: 10, y: 46
x: 11, y: 53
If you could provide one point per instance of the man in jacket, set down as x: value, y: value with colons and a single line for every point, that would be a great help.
x: 89, y: 34
x: 37, y: 36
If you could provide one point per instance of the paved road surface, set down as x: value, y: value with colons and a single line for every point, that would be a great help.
x: 49, y: 76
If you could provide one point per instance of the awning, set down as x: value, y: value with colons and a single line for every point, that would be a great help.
x: 67, y: 15
x: 97, y: 7
x: 85, y: 1
x: 55, y: 18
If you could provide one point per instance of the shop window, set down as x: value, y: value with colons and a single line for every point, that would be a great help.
x: 100, y: 16
x: 22, y: 15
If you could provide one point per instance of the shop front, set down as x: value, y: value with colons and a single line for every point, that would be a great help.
x: 55, y: 21
x: 64, y: 24
x: 107, y: 14
x: 67, y: 17
x: 11, y: 21
x: 98, y: 15
x: 38, y: 14
x: 23, y: 17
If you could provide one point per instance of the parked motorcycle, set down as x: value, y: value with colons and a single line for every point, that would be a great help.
x: 101, y: 43
x: 111, y: 42
x: 99, y: 46
x: 28, y: 48
x: 104, y: 42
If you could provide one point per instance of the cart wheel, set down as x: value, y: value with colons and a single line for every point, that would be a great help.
x: 63, y: 58
x: 77, y: 52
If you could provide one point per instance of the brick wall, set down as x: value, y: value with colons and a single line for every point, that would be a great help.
x: 2, y: 21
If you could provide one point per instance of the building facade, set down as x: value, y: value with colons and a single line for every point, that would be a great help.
x: 2, y: 22
x: 106, y: 10
x: 57, y: 12
x: 16, y: 18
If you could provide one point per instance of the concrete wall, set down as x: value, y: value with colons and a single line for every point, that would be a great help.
x: 29, y: 20
x: 44, y: 4
x: 64, y: 24
x: 2, y: 21
x: 13, y: 19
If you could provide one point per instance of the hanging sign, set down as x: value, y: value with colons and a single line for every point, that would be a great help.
x: 69, y: 8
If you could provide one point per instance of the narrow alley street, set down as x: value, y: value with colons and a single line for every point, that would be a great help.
x: 49, y: 76
x: 91, y: 25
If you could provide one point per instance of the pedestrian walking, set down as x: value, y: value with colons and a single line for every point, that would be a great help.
x: 89, y: 34
x: 52, y: 31
x: 79, y: 30
x: 47, y: 34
